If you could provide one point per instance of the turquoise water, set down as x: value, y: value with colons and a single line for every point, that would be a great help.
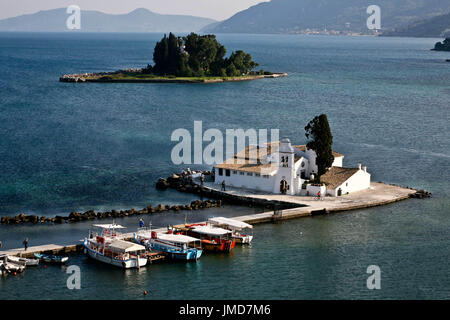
x: 67, y: 147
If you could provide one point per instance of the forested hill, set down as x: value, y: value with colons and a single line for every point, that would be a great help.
x: 295, y: 16
x: 435, y: 27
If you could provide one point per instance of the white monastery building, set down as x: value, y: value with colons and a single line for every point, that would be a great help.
x: 282, y: 168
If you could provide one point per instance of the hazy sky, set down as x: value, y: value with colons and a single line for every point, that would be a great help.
x: 215, y: 9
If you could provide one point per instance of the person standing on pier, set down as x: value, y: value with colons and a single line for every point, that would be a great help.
x: 202, y: 179
x: 223, y: 185
x: 25, y: 243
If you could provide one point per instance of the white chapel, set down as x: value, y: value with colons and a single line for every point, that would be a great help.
x: 282, y: 168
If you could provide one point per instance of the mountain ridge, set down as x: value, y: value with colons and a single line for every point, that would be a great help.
x: 138, y: 20
x: 435, y: 27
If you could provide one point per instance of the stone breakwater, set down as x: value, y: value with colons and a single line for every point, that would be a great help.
x: 92, y: 215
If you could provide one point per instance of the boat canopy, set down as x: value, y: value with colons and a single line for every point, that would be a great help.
x: 212, y: 231
x: 109, y: 226
x: 125, y: 246
x: 232, y: 223
x: 178, y: 238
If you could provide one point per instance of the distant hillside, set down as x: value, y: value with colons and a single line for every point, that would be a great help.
x: 139, y: 20
x: 294, y: 16
x: 434, y: 27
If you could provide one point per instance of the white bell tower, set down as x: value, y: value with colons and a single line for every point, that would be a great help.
x: 284, y: 182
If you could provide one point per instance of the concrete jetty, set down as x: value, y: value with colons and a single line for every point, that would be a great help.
x: 47, y: 248
x: 300, y: 206
x: 378, y: 194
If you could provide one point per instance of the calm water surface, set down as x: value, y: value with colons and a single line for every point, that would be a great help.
x: 67, y: 147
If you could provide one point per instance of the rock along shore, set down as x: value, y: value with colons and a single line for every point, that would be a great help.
x: 114, y: 77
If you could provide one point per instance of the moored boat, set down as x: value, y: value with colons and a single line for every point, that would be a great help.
x: 235, y: 226
x: 23, y: 261
x: 213, y: 239
x: 176, y: 246
x: 10, y: 267
x: 50, y: 258
x: 106, y: 247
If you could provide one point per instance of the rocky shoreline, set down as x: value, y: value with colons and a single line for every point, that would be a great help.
x: 115, y: 77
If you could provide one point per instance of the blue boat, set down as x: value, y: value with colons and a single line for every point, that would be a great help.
x: 50, y: 258
x: 175, y: 246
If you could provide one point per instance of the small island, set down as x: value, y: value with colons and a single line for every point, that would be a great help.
x: 190, y: 59
x: 442, y: 46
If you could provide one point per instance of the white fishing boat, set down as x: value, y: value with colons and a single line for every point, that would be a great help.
x: 176, y: 246
x: 10, y: 267
x: 235, y: 226
x: 105, y: 246
x: 23, y: 261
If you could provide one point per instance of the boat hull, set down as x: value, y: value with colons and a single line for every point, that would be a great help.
x: 171, y: 251
x: 10, y: 267
x: 223, y: 246
x: 23, y: 261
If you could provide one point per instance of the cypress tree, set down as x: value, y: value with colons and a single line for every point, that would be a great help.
x: 319, y: 130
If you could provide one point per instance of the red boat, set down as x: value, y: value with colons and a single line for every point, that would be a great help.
x: 213, y: 239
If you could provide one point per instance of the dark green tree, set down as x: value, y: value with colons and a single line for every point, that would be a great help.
x: 318, y: 129
x: 168, y: 57
x: 196, y: 55
x: 242, y: 61
x: 161, y: 56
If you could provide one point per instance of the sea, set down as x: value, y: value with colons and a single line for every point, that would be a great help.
x: 75, y: 146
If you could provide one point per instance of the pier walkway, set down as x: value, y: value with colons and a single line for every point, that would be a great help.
x: 47, y: 248
x: 378, y: 194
